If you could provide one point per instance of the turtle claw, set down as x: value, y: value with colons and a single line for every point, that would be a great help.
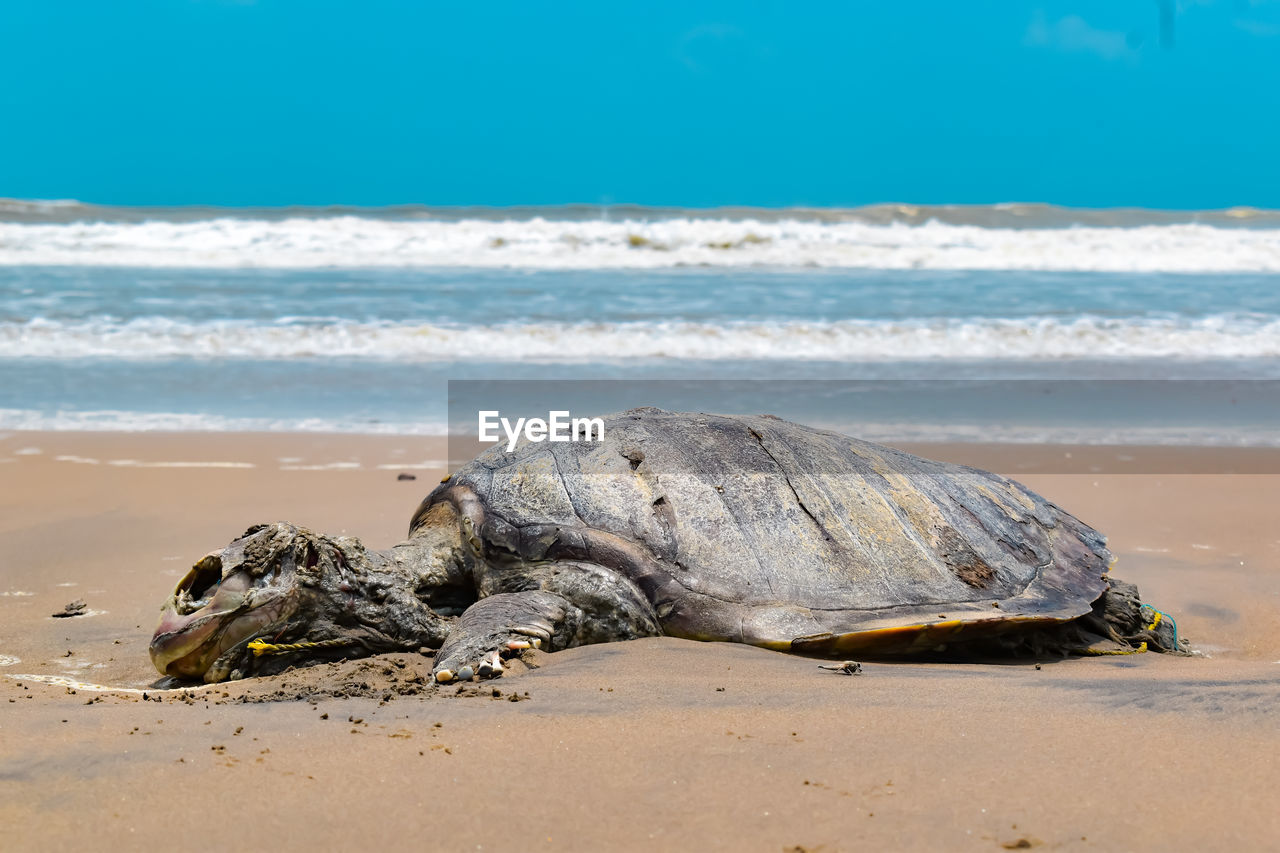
x: 447, y: 676
x: 537, y: 636
x: 490, y: 667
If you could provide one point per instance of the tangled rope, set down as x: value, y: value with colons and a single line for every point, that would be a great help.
x: 261, y: 647
x: 1160, y: 616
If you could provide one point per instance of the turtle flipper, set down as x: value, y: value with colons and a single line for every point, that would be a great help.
x: 574, y: 604
x: 501, y: 625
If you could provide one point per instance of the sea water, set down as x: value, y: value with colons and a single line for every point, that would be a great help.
x: 355, y: 320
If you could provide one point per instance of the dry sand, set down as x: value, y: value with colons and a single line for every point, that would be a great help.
x: 654, y: 744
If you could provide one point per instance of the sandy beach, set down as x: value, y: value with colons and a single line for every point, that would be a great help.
x: 654, y: 744
x: 260, y: 268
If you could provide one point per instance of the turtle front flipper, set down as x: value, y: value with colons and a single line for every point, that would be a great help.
x: 502, y: 625
x: 573, y: 604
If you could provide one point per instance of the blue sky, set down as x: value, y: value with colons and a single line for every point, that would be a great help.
x: 700, y: 104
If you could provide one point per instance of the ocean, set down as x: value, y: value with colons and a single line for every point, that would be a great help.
x: 355, y: 320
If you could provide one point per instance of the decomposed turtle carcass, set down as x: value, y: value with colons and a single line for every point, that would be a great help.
x: 744, y: 529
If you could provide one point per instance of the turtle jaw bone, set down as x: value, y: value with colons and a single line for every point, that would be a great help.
x: 209, y: 647
x: 204, y: 626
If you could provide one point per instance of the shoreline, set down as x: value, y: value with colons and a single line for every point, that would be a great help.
x: 424, y: 454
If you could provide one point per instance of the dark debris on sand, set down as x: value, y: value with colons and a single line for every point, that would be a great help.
x: 384, y: 678
x: 75, y: 608
x: 381, y: 679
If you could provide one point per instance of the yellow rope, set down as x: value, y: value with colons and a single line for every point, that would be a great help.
x: 262, y: 647
x: 1142, y: 647
x: 1100, y: 652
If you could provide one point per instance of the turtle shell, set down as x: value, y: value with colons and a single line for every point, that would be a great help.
x: 757, y: 530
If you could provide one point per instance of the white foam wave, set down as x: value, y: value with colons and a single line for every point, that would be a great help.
x: 1219, y: 336
x: 887, y: 432
x: 90, y: 687
x: 429, y: 465
x: 537, y: 243
x: 134, y: 463
x: 35, y: 420
x: 324, y: 466
x: 1067, y: 434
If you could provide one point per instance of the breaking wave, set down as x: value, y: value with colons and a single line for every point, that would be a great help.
x: 1088, y: 337
x: 113, y: 420
x: 539, y: 242
x: 896, y: 432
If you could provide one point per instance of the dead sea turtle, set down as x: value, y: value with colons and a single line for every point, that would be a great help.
x: 711, y: 527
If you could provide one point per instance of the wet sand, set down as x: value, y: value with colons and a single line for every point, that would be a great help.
x: 654, y: 744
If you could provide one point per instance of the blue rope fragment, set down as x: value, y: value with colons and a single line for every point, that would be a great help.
x: 1172, y: 621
